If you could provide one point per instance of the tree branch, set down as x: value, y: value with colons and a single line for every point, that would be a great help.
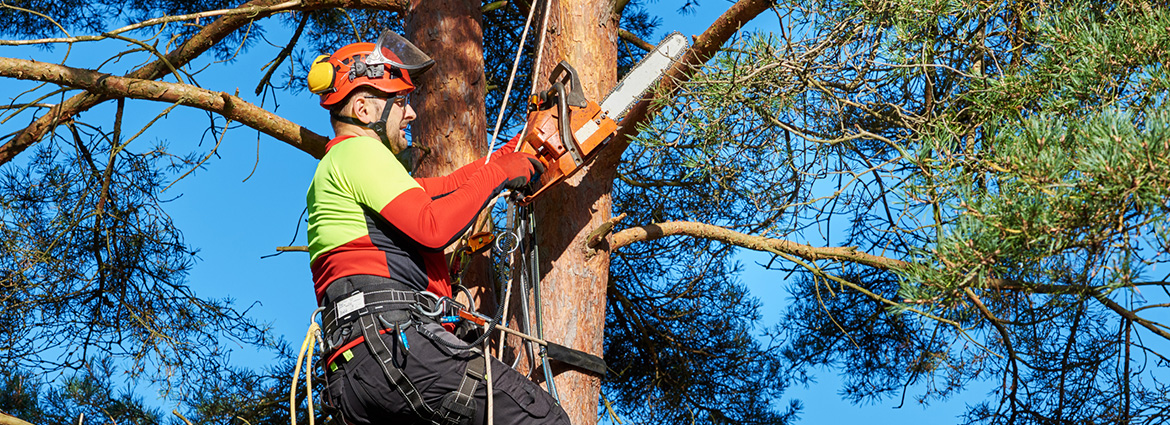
x: 253, y: 10
x: 11, y: 420
x: 109, y: 86
x: 635, y: 40
x: 188, y: 51
x: 758, y: 243
x: 284, y: 53
x: 851, y: 254
x: 1153, y: 327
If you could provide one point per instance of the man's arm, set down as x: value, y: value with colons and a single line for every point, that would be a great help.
x: 379, y: 181
x: 440, y: 186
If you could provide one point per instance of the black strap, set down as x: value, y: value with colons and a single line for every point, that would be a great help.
x: 398, y: 380
x: 382, y: 307
x: 378, y: 126
x: 371, y: 302
x: 460, y: 404
x: 455, y: 408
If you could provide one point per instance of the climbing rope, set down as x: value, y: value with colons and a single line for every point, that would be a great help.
x: 512, y: 77
x: 313, y: 339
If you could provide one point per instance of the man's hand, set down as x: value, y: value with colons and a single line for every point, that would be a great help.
x: 521, y: 169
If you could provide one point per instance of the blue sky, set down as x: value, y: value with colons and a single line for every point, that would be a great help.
x: 235, y: 215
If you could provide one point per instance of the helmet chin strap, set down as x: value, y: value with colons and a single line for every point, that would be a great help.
x: 379, y: 126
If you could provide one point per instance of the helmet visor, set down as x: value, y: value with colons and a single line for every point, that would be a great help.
x: 412, y: 59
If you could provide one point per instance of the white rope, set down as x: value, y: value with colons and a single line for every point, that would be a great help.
x: 540, y: 46
x: 511, y: 78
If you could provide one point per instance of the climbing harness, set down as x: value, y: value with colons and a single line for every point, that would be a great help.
x: 369, y: 306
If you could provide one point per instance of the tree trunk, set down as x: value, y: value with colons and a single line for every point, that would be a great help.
x: 449, y: 100
x: 451, y: 122
x: 584, y: 33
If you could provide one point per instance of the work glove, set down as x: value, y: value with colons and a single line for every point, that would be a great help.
x: 521, y: 169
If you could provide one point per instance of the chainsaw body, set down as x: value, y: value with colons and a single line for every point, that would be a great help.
x: 564, y: 129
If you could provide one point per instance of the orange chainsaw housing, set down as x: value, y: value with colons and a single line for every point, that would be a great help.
x: 543, y: 139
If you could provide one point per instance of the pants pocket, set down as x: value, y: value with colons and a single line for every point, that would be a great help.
x: 524, y: 394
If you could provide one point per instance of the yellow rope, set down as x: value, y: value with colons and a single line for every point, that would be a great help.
x: 306, y: 352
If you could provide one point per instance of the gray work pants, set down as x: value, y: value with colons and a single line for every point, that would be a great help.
x: 360, y: 390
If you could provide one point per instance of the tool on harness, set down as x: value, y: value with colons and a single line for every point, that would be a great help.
x: 479, y: 242
x: 565, y: 129
x: 476, y: 243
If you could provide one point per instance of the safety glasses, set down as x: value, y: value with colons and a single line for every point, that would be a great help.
x: 400, y: 100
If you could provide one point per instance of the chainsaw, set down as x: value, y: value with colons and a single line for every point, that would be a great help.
x: 565, y: 129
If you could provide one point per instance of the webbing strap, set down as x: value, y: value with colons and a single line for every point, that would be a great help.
x: 385, y: 359
x: 461, y: 403
x: 370, y: 302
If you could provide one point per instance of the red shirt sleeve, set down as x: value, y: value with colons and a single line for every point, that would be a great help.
x: 440, y: 186
x: 435, y: 222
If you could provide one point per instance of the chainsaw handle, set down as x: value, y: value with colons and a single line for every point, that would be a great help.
x: 575, y: 97
x: 565, y: 123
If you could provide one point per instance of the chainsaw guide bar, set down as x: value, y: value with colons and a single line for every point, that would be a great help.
x: 563, y: 110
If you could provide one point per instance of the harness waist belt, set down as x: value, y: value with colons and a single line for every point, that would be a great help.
x: 349, y: 298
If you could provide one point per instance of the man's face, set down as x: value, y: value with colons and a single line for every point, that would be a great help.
x: 400, y: 116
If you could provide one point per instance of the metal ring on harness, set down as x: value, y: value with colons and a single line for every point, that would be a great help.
x: 440, y: 305
x: 511, y: 237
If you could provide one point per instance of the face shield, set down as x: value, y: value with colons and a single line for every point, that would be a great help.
x: 410, y: 58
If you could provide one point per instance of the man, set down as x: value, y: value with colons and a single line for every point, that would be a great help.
x: 376, y: 239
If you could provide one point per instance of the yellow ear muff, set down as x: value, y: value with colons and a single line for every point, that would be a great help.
x: 321, y: 75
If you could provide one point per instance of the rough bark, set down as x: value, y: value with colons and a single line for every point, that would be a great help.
x: 449, y: 100
x: 574, y: 279
x: 192, y: 48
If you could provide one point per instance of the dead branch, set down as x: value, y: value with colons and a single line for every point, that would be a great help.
x: 109, y: 86
x: 852, y: 254
x: 11, y: 420
x: 635, y: 40
x: 758, y: 243
x: 188, y: 51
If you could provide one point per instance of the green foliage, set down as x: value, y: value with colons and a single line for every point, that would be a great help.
x: 1090, y: 195
x: 1010, y: 158
x: 86, y: 396
x: 95, y: 269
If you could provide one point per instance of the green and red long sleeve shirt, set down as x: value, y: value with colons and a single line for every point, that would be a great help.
x: 367, y: 215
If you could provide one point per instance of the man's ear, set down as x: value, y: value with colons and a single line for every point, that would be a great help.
x: 364, y: 109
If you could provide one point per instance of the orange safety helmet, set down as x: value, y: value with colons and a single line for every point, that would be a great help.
x: 335, y: 76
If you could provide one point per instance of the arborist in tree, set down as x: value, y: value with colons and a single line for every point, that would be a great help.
x: 376, y: 239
